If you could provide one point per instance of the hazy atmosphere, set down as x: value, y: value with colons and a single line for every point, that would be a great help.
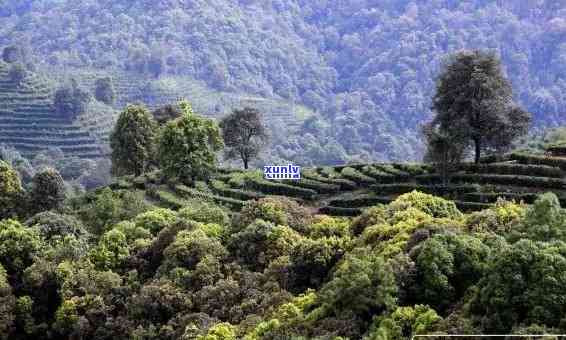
x: 282, y: 169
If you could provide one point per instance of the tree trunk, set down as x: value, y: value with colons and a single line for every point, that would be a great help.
x: 478, y: 150
x: 245, y: 160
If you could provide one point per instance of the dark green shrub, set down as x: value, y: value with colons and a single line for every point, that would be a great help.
x: 378, y: 175
x: 514, y: 169
x: 185, y: 191
x: 344, y: 184
x: 357, y: 176
x: 222, y: 189
x: 320, y: 187
x: 50, y: 224
x: 539, y: 160
x: 360, y: 201
x: 339, y: 211
x: 275, y: 188
x: 471, y: 206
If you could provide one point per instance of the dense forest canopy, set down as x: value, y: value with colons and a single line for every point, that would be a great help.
x: 369, y: 67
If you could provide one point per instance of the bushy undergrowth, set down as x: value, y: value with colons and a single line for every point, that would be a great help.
x: 114, y: 265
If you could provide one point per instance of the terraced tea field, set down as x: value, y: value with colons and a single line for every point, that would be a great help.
x: 132, y: 88
x: 28, y: 121
x: 347, y: 190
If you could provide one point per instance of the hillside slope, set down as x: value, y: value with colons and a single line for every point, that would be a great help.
x: 369, y: 67
x: 348, y: 190
x: 28, y: 121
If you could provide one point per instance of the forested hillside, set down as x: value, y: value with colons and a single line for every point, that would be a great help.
x: 368, y: 67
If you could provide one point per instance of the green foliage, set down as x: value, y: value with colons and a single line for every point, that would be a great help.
x: 222, y: 189
x: 522, y: 286
x: 523, y: 158
x: 48, y: 190
x: 10, y: 191
x: 515, y: 180
x: 369, y: 217
x: 514, y: 169
x: 275, y: 188
x: 157, y: 302
x: 312, y: 260
x: 51, y: 225
x: 279, y: 210
x: 18, y: 246
x: 110, y: 207
x: 545, y: 220
x: 356, y: 176
x: 156, y: 219
x: 503, y: 217
x: 133, y: 141
x: 363, y: 283
x: 404, y: 323
x: 434, y: 206
x: 326, y: 226
x: 204, y: 212
x: 111, y: 251
x: 285, y: 319
x: 447, y: 265
x: 262, y: 242
x: 444, y: 150
x: 187, y: 146
x: 7, y: 306
x: 221, y: 331
x: 192, y: 260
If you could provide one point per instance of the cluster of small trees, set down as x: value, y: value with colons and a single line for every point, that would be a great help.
x: 47, y: 191
x: 181, y: 143
x: 114, y: 267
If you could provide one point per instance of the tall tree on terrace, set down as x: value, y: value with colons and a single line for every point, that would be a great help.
x: 244, y: 134
x: 133, y: 141
x: 188, y: 145
x: 474, y: 103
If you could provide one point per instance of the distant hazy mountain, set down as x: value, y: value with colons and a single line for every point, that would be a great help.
x: 367, y: 66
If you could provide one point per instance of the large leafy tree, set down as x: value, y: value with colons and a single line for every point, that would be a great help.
x: 10, y: 190
x: 133, y: 141
x: 48, y: 190
x: 363, y: 283
x: 188, y: 145
x: 523, y: 286
x: 474, y: 103
x: 244, y: 134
